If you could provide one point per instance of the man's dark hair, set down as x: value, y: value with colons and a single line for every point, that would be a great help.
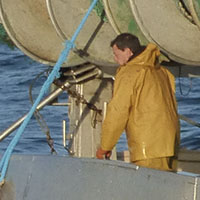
x: 127, y: 40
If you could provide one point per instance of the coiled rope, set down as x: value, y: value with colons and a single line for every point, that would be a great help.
x: 69, y: 44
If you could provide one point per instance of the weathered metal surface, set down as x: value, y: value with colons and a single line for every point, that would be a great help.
x: 58, y: 177
x: 189, y: 160
x: 162, y: 23
x: 96, y: 35
x: 191, y: 8
x: 28, y: 24
x: 85, y: 123
x: 46, y: 24
x: 122, y: 19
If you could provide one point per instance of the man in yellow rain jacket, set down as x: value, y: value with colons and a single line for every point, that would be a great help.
x: 143, y: 104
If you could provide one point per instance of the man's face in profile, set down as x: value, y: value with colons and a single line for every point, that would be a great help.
x: 121, y: 56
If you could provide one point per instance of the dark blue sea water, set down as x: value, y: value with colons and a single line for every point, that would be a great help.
x: 17, y: 72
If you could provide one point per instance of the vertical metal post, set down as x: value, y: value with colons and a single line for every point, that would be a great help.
x: 64, y: 132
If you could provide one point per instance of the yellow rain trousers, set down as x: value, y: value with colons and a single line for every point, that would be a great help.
x: 144, y: 105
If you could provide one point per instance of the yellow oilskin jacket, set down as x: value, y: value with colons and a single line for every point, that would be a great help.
x: 144, y: 105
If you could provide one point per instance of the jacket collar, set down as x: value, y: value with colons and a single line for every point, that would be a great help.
x: 148, y: 57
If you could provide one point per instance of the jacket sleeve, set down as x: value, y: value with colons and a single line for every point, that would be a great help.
x: 117, y: 113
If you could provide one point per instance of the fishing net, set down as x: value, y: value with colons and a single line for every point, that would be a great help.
x: 4, y: 38
x: 99, y: 8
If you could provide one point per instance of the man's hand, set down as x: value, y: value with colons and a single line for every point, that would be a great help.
x: 101, y: 154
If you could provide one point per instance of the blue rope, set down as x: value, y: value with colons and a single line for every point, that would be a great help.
x: 55, y: 72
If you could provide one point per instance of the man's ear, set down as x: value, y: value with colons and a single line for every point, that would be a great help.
x: 129, y: 53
